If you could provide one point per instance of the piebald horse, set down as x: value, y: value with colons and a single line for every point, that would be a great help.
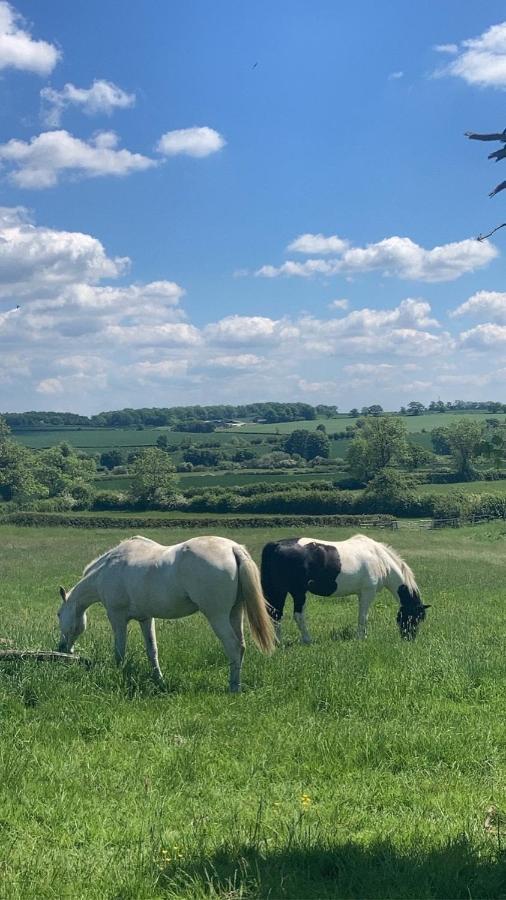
x: 142, y: 580
x: 358, y: 565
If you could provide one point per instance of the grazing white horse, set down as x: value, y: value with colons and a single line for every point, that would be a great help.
x: 358, y: 565
x: 140, y: 579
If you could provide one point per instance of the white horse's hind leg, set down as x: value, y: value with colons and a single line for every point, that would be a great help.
x: 233, y: 645
x: 149, y: 633
x: 364, y: 601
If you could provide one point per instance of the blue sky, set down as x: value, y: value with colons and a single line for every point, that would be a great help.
x: 230, y: 202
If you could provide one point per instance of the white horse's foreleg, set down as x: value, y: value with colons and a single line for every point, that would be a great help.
x: 119, y: 627
x: 233, y: 647
x: 364, y: 602
x: 149, y: 634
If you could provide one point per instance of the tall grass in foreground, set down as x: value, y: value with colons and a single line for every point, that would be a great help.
x: 346, y: 769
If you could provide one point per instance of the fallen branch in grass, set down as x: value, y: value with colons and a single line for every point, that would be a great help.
x: 45, y: 656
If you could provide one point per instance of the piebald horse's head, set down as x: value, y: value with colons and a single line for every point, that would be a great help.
x: 411, y: 612
x: 71, y: 623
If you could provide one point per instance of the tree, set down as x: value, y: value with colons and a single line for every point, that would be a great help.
x: 58, y: 468
x: 317, y: 444
x: 112, y: 458
x: 439, y: 438
x: 464, y: 438
x: 354, y: 413
x: 379, y: 442
x: 417, y: 456
x: 307, y: 444
x: 152, y: 476
x: 390, y: 490
x: 415, y: 408
x: 18, y: 481
x: 374, y: 410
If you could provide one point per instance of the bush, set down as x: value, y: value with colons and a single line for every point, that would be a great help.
x: 110, y: 500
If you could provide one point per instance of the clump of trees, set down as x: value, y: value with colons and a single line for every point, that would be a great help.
x: 379, y: 442
x: 57, y: 474
x: 307, y: 444
x: 463, y: 440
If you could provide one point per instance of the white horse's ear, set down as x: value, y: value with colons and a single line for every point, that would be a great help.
x: 63, y: 594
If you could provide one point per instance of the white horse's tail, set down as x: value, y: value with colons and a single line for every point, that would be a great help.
x: 250, y: 593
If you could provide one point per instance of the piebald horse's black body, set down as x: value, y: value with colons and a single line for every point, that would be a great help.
x: 289, y: 568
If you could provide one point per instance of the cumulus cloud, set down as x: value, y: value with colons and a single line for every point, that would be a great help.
x: 484, y: 303
x: 18, y: 50
x: 76, y: 339
x: 40, y: 162
x: 318, y: 243
x: 339, y: 304
x: 242, y: 330
x: 395, y: 256
x: 190, y: 142
x: 480, y: 60
x: 35, y: 259
x: 484, y: 337
x: 102, y: 97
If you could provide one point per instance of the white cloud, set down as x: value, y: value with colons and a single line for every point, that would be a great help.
x: 395, y: 76
x: 488, y: 303
x: 451, y: 49
x: 102, y: 97
x: 242, y: 330
x: 40, y: 162
x: 51, y: 386
x: 190, y: 142
x: 241, y: 361
x: 318, y: 243
x: 339, y: 304
x: 18, y: 50
x: 35, y: 259
x: 165, y: 369
x: 481, y: 60
x: 396, y: 257
x: 484, y: 337
x: 376, y: 369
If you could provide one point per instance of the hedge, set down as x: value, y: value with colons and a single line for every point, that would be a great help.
x: 76, y: 521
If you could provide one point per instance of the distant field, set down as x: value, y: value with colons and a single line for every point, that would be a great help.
x: 432, y: 420
x: 337, y: 423
x: 222, y: 479
x: 467, y: 487
x: 346, y: 769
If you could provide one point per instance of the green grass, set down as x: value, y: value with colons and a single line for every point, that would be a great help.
x: 466, y: 487
x: 110, y: 789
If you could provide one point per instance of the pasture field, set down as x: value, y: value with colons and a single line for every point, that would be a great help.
x: 465, y: 487
x: 217, y: 478
x: 345, y: 769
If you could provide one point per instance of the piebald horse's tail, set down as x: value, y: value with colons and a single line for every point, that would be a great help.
x: 250, y: 593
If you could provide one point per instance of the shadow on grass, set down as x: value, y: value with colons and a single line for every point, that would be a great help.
x: 456, y: 870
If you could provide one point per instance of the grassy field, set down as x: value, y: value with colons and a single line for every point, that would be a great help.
x: 466, y: 487
x: 345, y: 769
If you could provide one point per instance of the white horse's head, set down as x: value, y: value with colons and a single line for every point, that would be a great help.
x: 72, y: 623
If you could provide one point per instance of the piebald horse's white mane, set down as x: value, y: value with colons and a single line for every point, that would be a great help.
x: 383, y: 550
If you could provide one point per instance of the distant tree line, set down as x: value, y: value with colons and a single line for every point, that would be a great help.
x: 186, y: 417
